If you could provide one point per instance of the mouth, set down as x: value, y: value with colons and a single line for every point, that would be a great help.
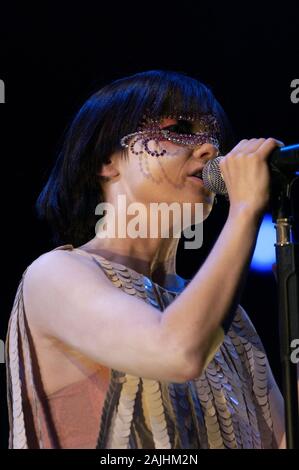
x: 196, y: 180
x: 196, y: 177
x: 197, y: 174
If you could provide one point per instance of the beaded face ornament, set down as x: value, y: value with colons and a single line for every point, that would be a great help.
x: 179, y: 133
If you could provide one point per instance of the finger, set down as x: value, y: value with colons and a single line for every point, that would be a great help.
x: 252, y: 145
x: 239, y: 145
x: 268, y: 146
x: 248, y: 146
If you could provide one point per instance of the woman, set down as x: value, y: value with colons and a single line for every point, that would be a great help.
x: 113, y: 348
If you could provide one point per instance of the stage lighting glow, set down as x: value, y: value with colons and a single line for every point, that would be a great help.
x: 264, y: 253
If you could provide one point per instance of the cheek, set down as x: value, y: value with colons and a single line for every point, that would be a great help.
x: 171, y: 163
x: 172, y: 149
x: 148, y: 176
x: 164, y: 172
x: 139, y: 176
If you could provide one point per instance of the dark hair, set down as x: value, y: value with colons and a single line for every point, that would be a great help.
x: 73, y: 190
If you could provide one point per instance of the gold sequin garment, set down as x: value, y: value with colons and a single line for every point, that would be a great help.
x: 226, y: 407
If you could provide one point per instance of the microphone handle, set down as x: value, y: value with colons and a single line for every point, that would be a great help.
x: 285, y: 159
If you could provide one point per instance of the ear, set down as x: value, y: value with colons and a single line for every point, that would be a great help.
x: 108, y: 170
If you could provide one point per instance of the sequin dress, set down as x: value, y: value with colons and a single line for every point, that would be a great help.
x: 226, y: 407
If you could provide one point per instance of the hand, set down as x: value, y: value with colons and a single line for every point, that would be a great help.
x: 246, y: 174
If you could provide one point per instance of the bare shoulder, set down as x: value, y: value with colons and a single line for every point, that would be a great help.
x: 59, y: 277
x: 51, y: 259
x: 61, y: 265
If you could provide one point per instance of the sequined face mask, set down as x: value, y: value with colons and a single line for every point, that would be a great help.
x: 179, y: 133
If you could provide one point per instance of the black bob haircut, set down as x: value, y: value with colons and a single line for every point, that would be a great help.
x: 73, y: 190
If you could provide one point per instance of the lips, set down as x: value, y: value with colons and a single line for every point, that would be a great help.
x: 195, y: 179
x: 197, y: 173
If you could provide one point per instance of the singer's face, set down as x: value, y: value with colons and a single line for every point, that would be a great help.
x: 167, y: 178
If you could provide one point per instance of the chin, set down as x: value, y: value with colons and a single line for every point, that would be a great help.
x: 208, y: 205
x: 207, y: 211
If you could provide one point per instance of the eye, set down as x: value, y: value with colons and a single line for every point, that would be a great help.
x: 181, y: 127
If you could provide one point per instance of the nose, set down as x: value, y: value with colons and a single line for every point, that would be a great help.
x: 205, y: 152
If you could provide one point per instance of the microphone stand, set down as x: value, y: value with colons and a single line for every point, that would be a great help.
x: 287, y: 262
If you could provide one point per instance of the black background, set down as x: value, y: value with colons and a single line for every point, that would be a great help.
x: 54, y: 55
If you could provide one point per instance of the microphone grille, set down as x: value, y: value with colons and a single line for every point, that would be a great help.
x: 212, y: 178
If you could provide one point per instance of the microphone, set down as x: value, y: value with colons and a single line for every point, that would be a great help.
x: 283, y: 159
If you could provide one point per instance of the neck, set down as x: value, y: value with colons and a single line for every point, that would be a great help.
x: 152, y: 257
